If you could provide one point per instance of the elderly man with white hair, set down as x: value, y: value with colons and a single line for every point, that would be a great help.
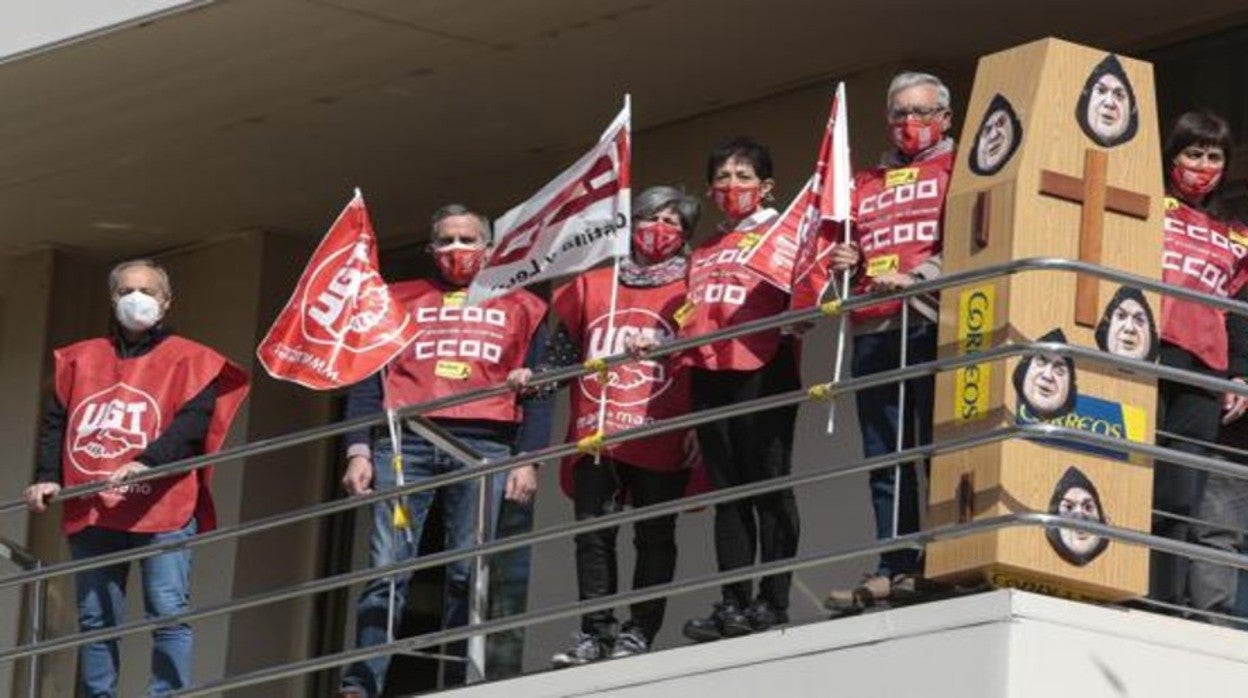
x: 898, y: 208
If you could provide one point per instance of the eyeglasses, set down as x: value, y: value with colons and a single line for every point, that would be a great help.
x: 920, y: 113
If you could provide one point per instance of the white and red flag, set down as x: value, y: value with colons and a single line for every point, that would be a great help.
x: 579, y: 219
x: 341, y: 325
x: 792, y: 254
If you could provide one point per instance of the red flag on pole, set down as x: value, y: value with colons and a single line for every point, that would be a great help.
x: 341, y: 325
x: 792, y: 253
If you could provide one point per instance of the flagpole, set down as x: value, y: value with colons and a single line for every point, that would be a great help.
x: 626, y: 204
x: 398, y: 519
x: 843, y: 321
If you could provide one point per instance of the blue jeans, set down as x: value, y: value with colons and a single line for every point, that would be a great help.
x: 878, y: 418
x: 1213, y: 587
x: 421, y: 460
x: 101, y: 596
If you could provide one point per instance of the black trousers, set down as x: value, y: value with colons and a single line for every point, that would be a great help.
x: 744, y: 449
x: 1196, y: 413
x: 604, y: 488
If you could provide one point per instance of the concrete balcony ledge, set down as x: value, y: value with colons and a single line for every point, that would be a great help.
x: 999, y: 644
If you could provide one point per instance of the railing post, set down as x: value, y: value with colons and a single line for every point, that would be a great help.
x: 475, y: 671
x: 38, y: 591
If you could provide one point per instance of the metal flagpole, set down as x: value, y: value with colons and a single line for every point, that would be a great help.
x: 399, y: 519
x: 842, y: 329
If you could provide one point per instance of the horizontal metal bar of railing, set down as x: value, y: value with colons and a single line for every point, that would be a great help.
x: 1036, y: 432
x: 679, y: 422
x: 559, y: 375
x: 1200, y: 522
x: 1176, y: 609
x: 1210, y: 445
x: 578, y: 608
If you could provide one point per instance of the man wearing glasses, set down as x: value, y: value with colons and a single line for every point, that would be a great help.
x: 135, y: 401
x: 898, y: 208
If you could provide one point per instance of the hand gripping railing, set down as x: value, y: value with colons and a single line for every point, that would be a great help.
x: 685, y: 421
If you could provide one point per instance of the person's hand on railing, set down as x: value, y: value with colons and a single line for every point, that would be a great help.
x: 1234, y: 406
x: 518, y: 379
x: 359, y: 476
x: 124, y: 472
x: 845, y: 255
x: 38, y: 494
x: 521, y: 484
x: 893, y: 281
x: 637, y: 344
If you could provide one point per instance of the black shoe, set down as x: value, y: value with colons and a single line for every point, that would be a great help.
x: 727, y: 620
x: 630, y: 641
x: 763, y: 616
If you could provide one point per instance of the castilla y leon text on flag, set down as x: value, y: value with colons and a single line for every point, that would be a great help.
x: 341, y: 325
x: 792, y: 253
x: 576, y: 221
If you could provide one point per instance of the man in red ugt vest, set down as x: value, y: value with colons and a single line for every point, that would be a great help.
x: 124, y: 405
x: 897, y: 212
x: 458, y: 348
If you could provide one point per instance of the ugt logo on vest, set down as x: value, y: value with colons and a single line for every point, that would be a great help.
x: 345, y: 300
x: 111, y: 427
x: 636, y: 382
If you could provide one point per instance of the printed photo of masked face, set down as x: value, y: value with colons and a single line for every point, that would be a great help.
x: 998, y: 137
x: 1045, y: 383
x: 1127, y: 327
x: 1075, y: 497
x: 1107, y: 111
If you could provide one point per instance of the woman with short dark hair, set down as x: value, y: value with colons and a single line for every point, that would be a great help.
x: 1202, y: 252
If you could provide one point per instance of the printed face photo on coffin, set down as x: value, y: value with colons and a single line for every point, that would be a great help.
x: 1075, y: 497
x: 999, y: 135
x: 1045, y: 383
x: 1107, y: 111
x: 1127, y: 327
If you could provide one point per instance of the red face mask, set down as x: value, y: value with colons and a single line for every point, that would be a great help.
x: 459, y: 263
x: 657, y: 240
x: 1194, y: 183
x: 737, y: 200
x: 913, y: 136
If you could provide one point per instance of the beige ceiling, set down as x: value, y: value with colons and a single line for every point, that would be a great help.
x: 264, y: 113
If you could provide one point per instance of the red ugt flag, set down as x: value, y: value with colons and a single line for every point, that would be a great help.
x: 341, y: 325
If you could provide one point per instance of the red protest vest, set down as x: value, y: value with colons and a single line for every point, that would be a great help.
x: 460, y: 348
x: 723, y: 291
x: 897, y: 222
x: 638, y: 392
x: 1203, y: 254
x: 116, y: 407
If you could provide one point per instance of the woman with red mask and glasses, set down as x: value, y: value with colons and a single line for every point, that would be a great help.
x: 723, y: 292
x: 1203, y: 251
x: 641, y: 472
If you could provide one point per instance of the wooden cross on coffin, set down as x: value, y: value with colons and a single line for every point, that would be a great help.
x: 1096, y: 197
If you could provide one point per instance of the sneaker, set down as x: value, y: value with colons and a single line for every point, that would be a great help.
x: 873, y: 590
x: 727, y: 620
x: 628, y: 642
x: 763, y: 616
x: 585, y: 649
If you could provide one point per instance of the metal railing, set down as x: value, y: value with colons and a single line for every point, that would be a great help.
x: 1040, y: 432
x: 25, y: 560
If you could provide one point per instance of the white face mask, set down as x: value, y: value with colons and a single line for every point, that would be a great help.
x: 137, y: 311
